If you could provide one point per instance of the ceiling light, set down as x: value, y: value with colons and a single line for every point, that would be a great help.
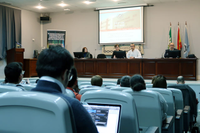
x: 62, y: 4
x: 66, y: 9
x: 87, y: 2
x: 39, y: 7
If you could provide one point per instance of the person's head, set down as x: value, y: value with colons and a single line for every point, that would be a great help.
x: 73, y: 79
x: 116, y: 47
x: 125, y: 81
x: 154, y: 78
x: 160, y: 82
x: 118, y: 81
x: 55, y: 62
x: 96, y: 80
x: 132, y: 46
x: 171, y: 46
x: 137, y: 83
x: 180, y: 80
x: 13, y: 73
x: 84, y: 50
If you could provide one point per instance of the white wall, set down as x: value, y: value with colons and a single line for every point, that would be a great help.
x: 30, y: 30
x: 82, y: 27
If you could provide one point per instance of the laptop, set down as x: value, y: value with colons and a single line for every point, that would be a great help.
x: 105, y: 116
x: 78, y: 54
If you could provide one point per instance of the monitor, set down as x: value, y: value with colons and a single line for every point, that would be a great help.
x: 120, y: 54
x: 105, y: 116
x: 174, y: 53
x: 78, y: 54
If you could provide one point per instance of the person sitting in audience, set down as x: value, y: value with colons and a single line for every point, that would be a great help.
x: 187, y: 91
x: 137, y: 83
x: 73, y: 83
x: 133, y: 53
x: 96, y: 80
x: 118, y: 81
x: 125, y: 81
x: 14, y: 74
x: 54, y: 69
x: 116, y: 49
x: 86, y: 53
x: 160, y: 82
x: 153, y: 79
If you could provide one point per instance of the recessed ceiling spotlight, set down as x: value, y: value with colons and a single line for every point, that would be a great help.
x: 115, y: 0
x: 89, y: 1
x: 66, y: 9
x: 39, y: 7
x: 62, y: 4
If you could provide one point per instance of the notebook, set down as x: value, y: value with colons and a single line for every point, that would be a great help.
x: 106, y: 117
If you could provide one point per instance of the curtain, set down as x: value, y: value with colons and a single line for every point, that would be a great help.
x: 10, y: 29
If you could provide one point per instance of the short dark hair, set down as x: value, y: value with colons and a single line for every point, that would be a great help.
x: 125, y: 81
x: 116, y: 45
x: 96, y: 80
x: 54, y: 61
x: 74, y: 77
x: 137, y: 83
x: 12, y: 72
x: 180, y: 79
x: 118, y: 81
x: 160, y: 82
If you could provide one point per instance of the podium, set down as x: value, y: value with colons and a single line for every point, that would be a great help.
x: 15, y: 55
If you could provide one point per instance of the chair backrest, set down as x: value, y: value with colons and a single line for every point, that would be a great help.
x: 118, y: 88
x: 91, y: 56
x: 149, y: 85
x: 167, y: 94
x: 108, y: 84
x: 129, y: 120
x: 84, y: 83
x: 178, y: 98
x: 34, y: 112
x: 28, y: 87
x: 5, y: 88
x: 82, y: 91
x: 148, y: 108
x: 70, y: 93
x: 101, y: 56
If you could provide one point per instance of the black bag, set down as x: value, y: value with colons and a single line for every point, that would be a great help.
x: 191, y: 56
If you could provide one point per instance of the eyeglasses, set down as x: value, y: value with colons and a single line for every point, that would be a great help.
x: 23, y: 72
x: 70, y: 75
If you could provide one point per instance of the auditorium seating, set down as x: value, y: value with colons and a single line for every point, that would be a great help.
x: 34, y: 112
x: 149, y: 110
x: 82, y: 91
x: 149, y: 85
x: 119, y: 88
x: 4, y: 88
x: 70, y: 93
x: 28, y: 87
x: 101, y: 56
x: 129, y: 119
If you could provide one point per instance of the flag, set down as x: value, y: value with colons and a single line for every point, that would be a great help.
x: 170, y: 36
x: 186, y: 43
x: 179, y: 44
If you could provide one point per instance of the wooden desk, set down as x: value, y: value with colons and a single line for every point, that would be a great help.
x: 30, y: 67
x: 116, y: 68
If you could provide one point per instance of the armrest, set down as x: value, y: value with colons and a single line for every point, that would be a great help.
x: 186, y: 109
x: 152, y: 130
x: 179, y: 113
x: 168, y: 123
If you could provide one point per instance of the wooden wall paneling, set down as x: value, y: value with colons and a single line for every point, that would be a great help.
x: 101, y: 67
x: 149, y: 68
x: 135, y: 66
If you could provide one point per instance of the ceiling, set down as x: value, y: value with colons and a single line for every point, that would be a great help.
x: 52, y: 5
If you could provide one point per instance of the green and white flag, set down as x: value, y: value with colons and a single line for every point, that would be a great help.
x: 170, y: 35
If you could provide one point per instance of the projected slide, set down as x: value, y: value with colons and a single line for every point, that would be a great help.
x: 121, y: 25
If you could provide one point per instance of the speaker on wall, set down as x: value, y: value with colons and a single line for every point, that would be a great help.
x: 45, y: 18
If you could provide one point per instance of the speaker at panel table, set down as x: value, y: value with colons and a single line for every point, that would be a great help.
x: 83, y: 55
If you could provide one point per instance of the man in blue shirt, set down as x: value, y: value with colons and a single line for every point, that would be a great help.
x: 54, y: 69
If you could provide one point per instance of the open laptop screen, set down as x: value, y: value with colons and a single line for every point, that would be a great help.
x: 106, y: 117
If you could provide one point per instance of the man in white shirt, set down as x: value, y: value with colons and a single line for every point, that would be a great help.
x: 133, y: 53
